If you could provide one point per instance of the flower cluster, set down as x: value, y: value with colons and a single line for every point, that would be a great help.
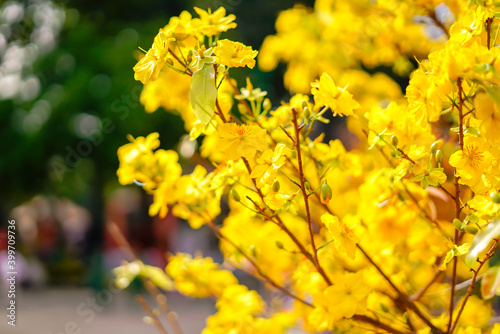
x: 373, y: 236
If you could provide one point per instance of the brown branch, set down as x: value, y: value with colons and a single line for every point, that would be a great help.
x: 306, y: 197
x: 156, y: 321
x: 457, y: 202
x: 401, y: 295
x: 438, y: 23
x: 422, y: 291
x: 489, y: 21
x: 377, y: 323
x: 120, y: 239
x: 488, y: 255
x: 190, y: 72
x: 266, y: 278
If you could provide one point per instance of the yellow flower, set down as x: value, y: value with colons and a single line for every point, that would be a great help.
x: 343, y: 235
x: 326, y: 93
x: 241, y: 140
x: 268, y: 165
x: 148, y: 68
x: 235, y: 54
x: 455, y: 251
x: 210, y: 24
x: 474, y: 160
x: 198, y: 277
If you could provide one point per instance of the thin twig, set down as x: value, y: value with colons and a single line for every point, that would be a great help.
x: 471, y: 286
x: 306, y: 198
x: 156, y: 321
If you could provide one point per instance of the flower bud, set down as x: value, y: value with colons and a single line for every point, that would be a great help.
x: 304, y: 104
x: 439, y: 156
x: 242, y: 109
x: 307, y: 113
x: 170, y: 61
x: 235, y: 195
x: 458, y: 224
x: 253, y: 250
x: 308, y: 186
x: 279, y: 244
x: 267, y: 104
x: 393, y: 154
x: 326, y: 193
x: 394, y: 140
x: 434, y: 147
x: 276, y: 186
x: 495, y: 197
x: 470, y: 229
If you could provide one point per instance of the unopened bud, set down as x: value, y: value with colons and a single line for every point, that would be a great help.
x: 170, y: 61
x: 393, y: 154
x: 384, y: 307
x: 253, y: 250
x: 470, y: 229
x: 304, y: 104
x: 307, y: 113
x: 495, y: 197
x: 267, y: 104
x: 326, y: 193
x: 458, y: 224
x: 279, y: 244
x: 276, y: 186
x: 242, y: 109
x: 434, y: 147
x: 235, y: 195
x: 307, y: 186
x: 439, y: 156
x: 394, y: 141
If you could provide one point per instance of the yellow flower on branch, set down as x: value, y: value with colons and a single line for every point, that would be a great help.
x: 474, y: 160
x: 326, y: 93
x: 210, y: 24
x: 455, y: 251
x: 235, y: 54
x: 343, y: 234
x: 241, y: 140
x: 268, y: 165
x: 148, y: 68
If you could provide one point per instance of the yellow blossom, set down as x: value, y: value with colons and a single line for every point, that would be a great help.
x: 474, y: 159
x: 241, y: 140
x: 343, y: 235
x: 268, y: 165
x: 198, y: 277
x: 326, y: 93
x: 210, y: 24
x: 234, y: 54
x: 148, y: 68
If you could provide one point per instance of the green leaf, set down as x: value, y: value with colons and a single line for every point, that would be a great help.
x: 157, y: 276
x: 481, y: 241
x: 203, y: 93
x: 490, y: 282
x: 418, y: 177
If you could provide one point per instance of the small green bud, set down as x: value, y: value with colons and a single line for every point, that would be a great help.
x: 276, y: 186
x: 439, y: 156
x: 326, y: 193
x: 253, y: 250
x: 304, y: 104
x: 235, y: 195
x: 458, y: 224
x: 495, y: 197
x: 470, y: 229
x: 307, y: 113
x: 393, y: 154
x: 394, y: 141
x: 308, y: 186
x: 279, y: 244
x: 434, y: 147
x: 384, y: 307
x: 170, y: 61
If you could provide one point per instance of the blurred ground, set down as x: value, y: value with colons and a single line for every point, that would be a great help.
x: 50, y: 310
